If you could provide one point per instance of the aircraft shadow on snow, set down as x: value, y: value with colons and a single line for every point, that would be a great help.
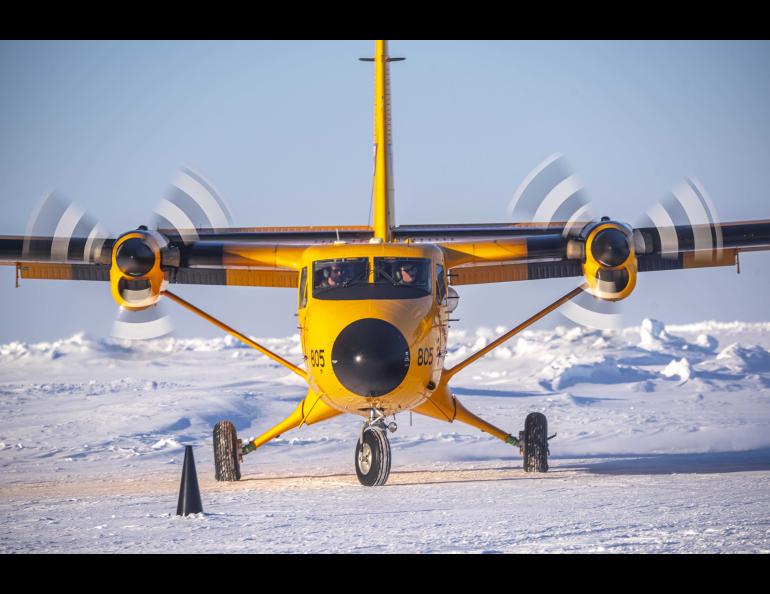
x: 703, y: 463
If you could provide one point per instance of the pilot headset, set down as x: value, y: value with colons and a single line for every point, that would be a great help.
x: 328, y: 270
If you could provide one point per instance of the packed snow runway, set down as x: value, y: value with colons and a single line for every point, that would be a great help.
x: 663, y: 445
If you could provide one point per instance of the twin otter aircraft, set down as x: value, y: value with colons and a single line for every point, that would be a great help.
x: 373, y: 302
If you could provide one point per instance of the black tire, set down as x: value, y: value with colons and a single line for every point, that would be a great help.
x: 536, y: 443
x: 373, y: 458
x: 227, y: 465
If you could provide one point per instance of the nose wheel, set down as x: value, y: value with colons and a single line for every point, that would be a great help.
x: 373, y: 457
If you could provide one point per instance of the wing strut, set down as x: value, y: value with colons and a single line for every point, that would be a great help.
x: 443, y: 405
x: 268, y: 353
x: 496, y: 343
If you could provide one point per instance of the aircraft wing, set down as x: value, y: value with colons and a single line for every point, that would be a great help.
x: 498, y: 253
x: 253, y: 259
x: 475, y: 253
x: 257, y: 277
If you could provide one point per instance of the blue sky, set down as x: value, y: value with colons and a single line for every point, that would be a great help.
x: 284, y: 130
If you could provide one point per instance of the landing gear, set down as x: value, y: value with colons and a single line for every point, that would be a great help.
x: 227, y: 452
x: 535, y: 441
x: 373, y: 457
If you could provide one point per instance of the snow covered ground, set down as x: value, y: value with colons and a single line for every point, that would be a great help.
x: 663, y: 445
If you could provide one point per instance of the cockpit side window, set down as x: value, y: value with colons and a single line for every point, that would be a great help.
x: 303, y: 288
x: 440, y: 285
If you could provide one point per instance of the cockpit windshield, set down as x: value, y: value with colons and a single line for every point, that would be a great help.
x: 394, y: 278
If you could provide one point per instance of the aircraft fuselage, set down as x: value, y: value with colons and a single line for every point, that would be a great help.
x: 372, y: 340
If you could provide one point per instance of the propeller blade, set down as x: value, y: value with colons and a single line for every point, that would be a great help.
x: 551, y: 193
x: 686, y: 218
x: 591, y: 312
x: 191, y: 203
x: 60, y: 231
x: 145, y: 324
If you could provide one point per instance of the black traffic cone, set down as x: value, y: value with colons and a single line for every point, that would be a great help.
x: 189, y: 493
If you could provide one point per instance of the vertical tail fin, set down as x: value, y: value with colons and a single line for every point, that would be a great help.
x: 383, y: 208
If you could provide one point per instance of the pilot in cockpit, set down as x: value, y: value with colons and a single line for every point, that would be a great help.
x: 406, y: 273
x: 334, y: 275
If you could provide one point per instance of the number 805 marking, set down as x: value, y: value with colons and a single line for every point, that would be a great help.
x: 425, y: 356
x: 317, y: 358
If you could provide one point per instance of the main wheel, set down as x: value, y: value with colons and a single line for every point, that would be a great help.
x: 536, y: 443
x: 227, y: 465
x: 373, y: 458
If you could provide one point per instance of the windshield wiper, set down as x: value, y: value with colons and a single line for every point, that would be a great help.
x: 355, y: 281
x: 388, y: 277
x: 360, y: 279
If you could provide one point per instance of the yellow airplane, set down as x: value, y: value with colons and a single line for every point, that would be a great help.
x: 373, y: 301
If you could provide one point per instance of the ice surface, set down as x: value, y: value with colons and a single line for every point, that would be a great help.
x: 663, y: 445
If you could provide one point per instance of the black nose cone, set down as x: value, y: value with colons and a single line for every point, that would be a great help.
x: 370, y: 357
